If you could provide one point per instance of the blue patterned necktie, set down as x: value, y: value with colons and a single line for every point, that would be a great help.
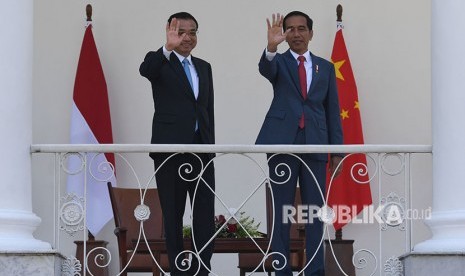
x: 185, y: 64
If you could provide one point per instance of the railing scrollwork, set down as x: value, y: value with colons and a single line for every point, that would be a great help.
x: 382, y: 162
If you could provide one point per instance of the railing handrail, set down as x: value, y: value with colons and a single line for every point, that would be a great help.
x: 229, y: 148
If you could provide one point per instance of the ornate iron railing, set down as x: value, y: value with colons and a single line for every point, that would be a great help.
x: 380, y: 239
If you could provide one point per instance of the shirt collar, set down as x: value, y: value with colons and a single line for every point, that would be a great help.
x: 181, y: 58
x: 307, y: 56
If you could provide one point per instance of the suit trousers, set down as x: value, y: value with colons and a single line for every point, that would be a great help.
x: 179, y: 174
x: 285, y: 170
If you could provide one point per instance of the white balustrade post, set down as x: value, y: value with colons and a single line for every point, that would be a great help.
x: 448, y: 105
x: 17, y: 222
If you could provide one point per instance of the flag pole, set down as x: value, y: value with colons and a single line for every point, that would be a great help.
x: 339, y: 252
x: 90, y: 237
x: 91, y: 243
x: 339, y: 9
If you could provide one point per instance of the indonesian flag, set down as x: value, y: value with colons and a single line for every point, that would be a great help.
x: 349, y: 193
x: 91, y: 124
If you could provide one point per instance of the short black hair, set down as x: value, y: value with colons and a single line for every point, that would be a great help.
x: 183, y: 15
x: 298, y: 13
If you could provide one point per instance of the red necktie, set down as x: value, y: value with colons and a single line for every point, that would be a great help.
x: 303, y: 86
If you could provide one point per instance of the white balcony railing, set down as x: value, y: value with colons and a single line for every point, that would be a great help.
x: 399, y: 175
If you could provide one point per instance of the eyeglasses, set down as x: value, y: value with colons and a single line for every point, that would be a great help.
x: 189, y: 33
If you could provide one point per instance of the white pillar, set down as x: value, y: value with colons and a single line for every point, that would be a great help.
x: 448, y: 106
x: 17, y: 222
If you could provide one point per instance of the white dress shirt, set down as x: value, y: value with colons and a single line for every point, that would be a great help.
x: 194, y: 75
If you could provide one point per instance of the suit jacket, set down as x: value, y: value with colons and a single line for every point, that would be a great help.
x: 176, y: 109
x: 321, y: 108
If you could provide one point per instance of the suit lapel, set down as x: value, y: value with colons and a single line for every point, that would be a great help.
x: 291, y: 65
x: 179, y: 70
x: 315, y: 73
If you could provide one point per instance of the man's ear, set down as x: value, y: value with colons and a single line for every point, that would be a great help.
x: 311, y: 34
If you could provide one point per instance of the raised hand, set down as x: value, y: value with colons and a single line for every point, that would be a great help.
x: 173, y: 39
x: 275, y: 32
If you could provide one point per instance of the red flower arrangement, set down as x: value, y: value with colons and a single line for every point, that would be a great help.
x: 231, y: 228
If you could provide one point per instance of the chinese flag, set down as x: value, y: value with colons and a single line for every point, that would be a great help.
x: 91, y: 124
x: 349, y: 193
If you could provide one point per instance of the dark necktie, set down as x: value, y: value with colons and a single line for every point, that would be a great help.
x: 303, y: 85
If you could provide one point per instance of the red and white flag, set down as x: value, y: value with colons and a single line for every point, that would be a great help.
x: 91, y: 124
x: 349, y: 193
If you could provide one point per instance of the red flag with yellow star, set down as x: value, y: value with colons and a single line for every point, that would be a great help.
x: 349, y: 193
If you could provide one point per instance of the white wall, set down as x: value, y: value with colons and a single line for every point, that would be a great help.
x: 388, y: 43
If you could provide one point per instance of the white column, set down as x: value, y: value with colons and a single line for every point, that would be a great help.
x: 448, y: 108
x: 17, y: 222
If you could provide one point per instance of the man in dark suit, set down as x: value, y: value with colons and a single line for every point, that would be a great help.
x: 182, y: 88
x: 304, y: 111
